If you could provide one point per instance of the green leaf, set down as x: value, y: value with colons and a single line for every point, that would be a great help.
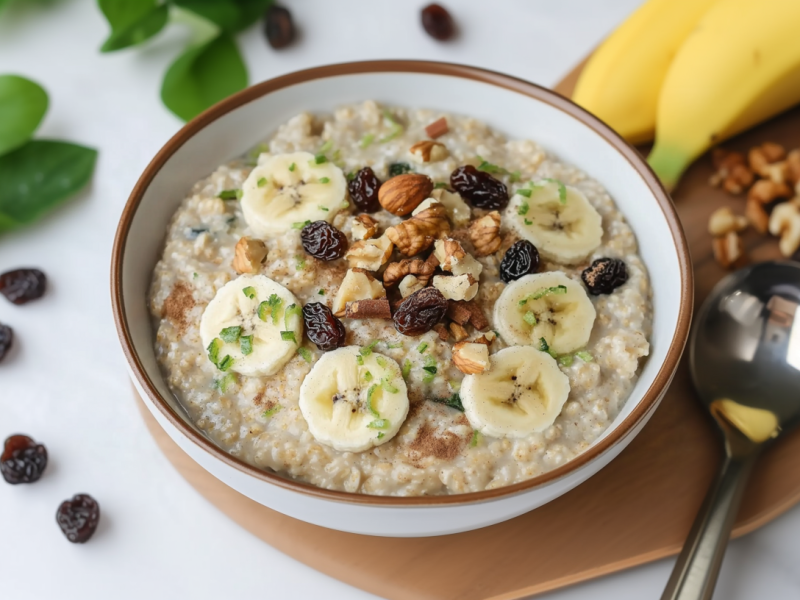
x: 22, y: 107
x: 229, y: 15
x: 453, y: 401
x: 132, y: 22
x: 38, y: 177
x: 202, y: 76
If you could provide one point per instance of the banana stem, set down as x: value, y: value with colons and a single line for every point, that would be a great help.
x: 669, y: 163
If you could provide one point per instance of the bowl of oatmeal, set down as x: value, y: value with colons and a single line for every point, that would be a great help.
x: 400, y: 298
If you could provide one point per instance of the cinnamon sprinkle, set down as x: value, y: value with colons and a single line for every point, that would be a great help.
x: 178, y: 305
x: 445, y: 447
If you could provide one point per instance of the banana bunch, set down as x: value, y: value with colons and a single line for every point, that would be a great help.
x: 694, y: 72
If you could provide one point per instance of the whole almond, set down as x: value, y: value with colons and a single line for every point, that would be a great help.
x: 403, y: 193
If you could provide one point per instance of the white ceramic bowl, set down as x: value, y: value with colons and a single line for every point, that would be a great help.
x: 518, y: 108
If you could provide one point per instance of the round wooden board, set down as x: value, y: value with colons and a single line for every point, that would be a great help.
x: 636, y: 510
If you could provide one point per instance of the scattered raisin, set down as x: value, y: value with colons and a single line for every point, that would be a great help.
x: 481, y: 189
x: 23, y: 285
x: 519, y: 260
x: 420, y: 312
x: 605, y: 275
x: 437, y: 22
x: 78, y: 518
x: 399, y: 169
x: 23, y: 460
x: 323, y: 241
x: 6, y: 338
x: 278, y: 26
x: 364, y: 190
x: 323, y: 327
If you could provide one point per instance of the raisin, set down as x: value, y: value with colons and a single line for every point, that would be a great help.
x: 23, y: 285
x: 420, y: 312
x: 6, y: 339
x: 23, y: 460
x: 323, y: 241
x: 437, y: 22
x: 604, y: 275
x: 323, y: 327
x: 278, y: 26
x: 399, y: 169
x: 519, y: 260
x: 481, y: 189
x: 364, y: 190
x: 78, y: 518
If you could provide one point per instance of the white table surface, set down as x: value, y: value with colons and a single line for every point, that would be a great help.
x: 66, y: 383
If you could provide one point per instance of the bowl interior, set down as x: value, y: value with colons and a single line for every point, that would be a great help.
x: 502, y: 103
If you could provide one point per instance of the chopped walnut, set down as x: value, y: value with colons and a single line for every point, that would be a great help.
x: 757, y: 215
x: 728, y: 250
x: 364, y: 227
x: 766, y: 191
x: 408, y: 266
x: 793, y: 169
x: 732, y: 174
x: 456, y: 287
x: 441, y: 331
x: 458, y: 211
x: 358, y: 284
x: 428, y: 152
x: 784, y: 222
x: 485, y: 234
x: 724, y: 220
x: 370, y: 254
x: 453, y: 258
x: 760, y: 158
x: 410, y: 284
x: 249, y: 255
x: 458, y: 331
x: 416, y: 234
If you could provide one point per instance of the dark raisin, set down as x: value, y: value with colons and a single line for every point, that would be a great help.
x: 479, y: 188
x: 78, y: 518
x: 399, y: 169
x: 6, y: 339
x: 437, y: 22
x: 323, y: 241
x: 364, y: 190
x: 420, y: 312
x: 519, y: 260
x: 23, y: 460
x: 278, y: 26
x: 23, y: 285
x: 323, y: 327
x: 604, y: 275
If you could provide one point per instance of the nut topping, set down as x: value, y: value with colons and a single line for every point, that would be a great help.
x: 358, y: 284
x: 408, y: 266
x: 456, y: 287
x: 403, y: 193
x: 249, y: 255
x: 458, y: 331
x: 370, y: 254
x: 409, y: 285
x: 428, y: 151
x: 438, y: 128
x: 419, y: 232
x: 766, y: 190
x: 728, y: 250
x: 453, y: 258
x: 485, y: 234
x: 724, y: 220
x: 369, y: 309
x: 757, y: 215
x: 760, y: 158
x: 364, y: 227
x: 785, y: 223
x: 471, y: 357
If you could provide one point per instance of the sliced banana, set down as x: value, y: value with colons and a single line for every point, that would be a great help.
x: 548, y: 306
x: 353, y: 400
x: 242, y: 326
x: 522, y: 392
x: 557, y: 219
x: 287, y: 189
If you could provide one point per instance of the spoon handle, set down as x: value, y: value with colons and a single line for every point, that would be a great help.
x: 695, y: 572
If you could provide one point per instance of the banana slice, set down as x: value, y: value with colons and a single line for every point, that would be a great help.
x: 548, y: 306
x: 251, y: 326
x: 557, y: 219
x: 522, y: 392
x: 353, y: 399
x: 287, y: 189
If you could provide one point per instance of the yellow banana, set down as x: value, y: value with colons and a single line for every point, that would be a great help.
x: 740, y: 66
x: 621, y: 81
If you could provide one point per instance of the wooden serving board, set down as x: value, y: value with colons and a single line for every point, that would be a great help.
x: 637, y: 509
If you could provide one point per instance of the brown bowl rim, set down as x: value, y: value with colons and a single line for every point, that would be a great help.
x: 646, y: 405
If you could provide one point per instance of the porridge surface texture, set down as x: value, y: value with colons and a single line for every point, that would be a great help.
x: 436, y: 451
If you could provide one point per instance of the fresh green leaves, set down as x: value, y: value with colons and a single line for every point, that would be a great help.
x: 38, y: 177
x: 453, y: 401
x: 132, y: 21
x: 22, y: 107
x: 229, y: 15
x: 203, y: 75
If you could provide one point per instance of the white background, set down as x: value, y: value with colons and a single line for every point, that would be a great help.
x: 65, y: 383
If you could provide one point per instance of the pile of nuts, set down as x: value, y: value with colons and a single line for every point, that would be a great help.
x: 771, y: 178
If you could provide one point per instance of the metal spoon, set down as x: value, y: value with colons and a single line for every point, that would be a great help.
x: 744, y: 356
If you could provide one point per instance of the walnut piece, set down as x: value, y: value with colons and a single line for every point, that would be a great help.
x: 724, y: 220
x: 458, y: 331
x: 416, y: 234
x: 793, y: 169
x: 364, y: 227
x: 408, y: 266
x: 731, y: 171
x: 471, y: 357
x: 370, y: 254
x: 428, y: 152
x: 458, y: 211
x: 766, y: 191
x: 403, y: 193
x: 441, y: 331
x: 410, y: 284
x: 761, y: 157
x: 453, y: 258
x: 358, y: 284
x: 728, y: 250
x: 456, y: 287
x: 438, y: 128
x: 785, y: 223
x: 757, y: 215
x: 249, y: 255
x: 485, y: 234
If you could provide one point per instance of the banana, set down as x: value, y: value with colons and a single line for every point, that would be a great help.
x: 286, y: 190
x: 738, y: 67
x: 622, y: 80
x: 354, y: 399
x: 557, y: 219
x: 545, y: 306
x: 522, y: 392
x: 252, y: 326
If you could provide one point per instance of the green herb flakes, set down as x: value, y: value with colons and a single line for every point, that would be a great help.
x: 393, y: 346
x: 319, y: 159
x: 406, y: 368
x: 262, y: 181
x: 292, y: 309
x: 370, y: 394
x: 271, y: 411
x: 225, y: 363
x: 288, y: 336
x: 381, y: 361
x: 246, y: 344
x: 381, y: 435
x: 523, y: 208
x: 488, y: 167
x: 213, y: 350
x: 305, y: 353
x: 366, y: 140
x: 325, y: 180
x: 440, y: 185
x: 270, y: 306
x: 301, y: 262
x: 545, y: 347
x: 557, y: 290
x: 565, y: 361
x: 514, y: 177
x: 321, y: 292
x: 230, y: 335
x: 475, y: 438
x: 223, y: 384
x: 249, y: 291
x: 422, y: 347
x: 387, y: 385
x: 396, y: 169
x: 529, y: 318
x: 379, y: 424
x: 292, y: 167
x: 524, y: 192
x: 528, y: 222
x: 360, y: 360
x: 367, y: 350
x: 300, y: 224
x: 367, y: 376
x: 323, y: 208
x: 326, y: 147
x: 453, y: 401
x: 230, y: 194
x: 562, y: 189
x: 584, y: 356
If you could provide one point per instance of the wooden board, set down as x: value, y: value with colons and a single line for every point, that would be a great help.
x: 637, y: 509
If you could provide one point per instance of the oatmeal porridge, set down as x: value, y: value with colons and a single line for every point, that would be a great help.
x: 400, y: 302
